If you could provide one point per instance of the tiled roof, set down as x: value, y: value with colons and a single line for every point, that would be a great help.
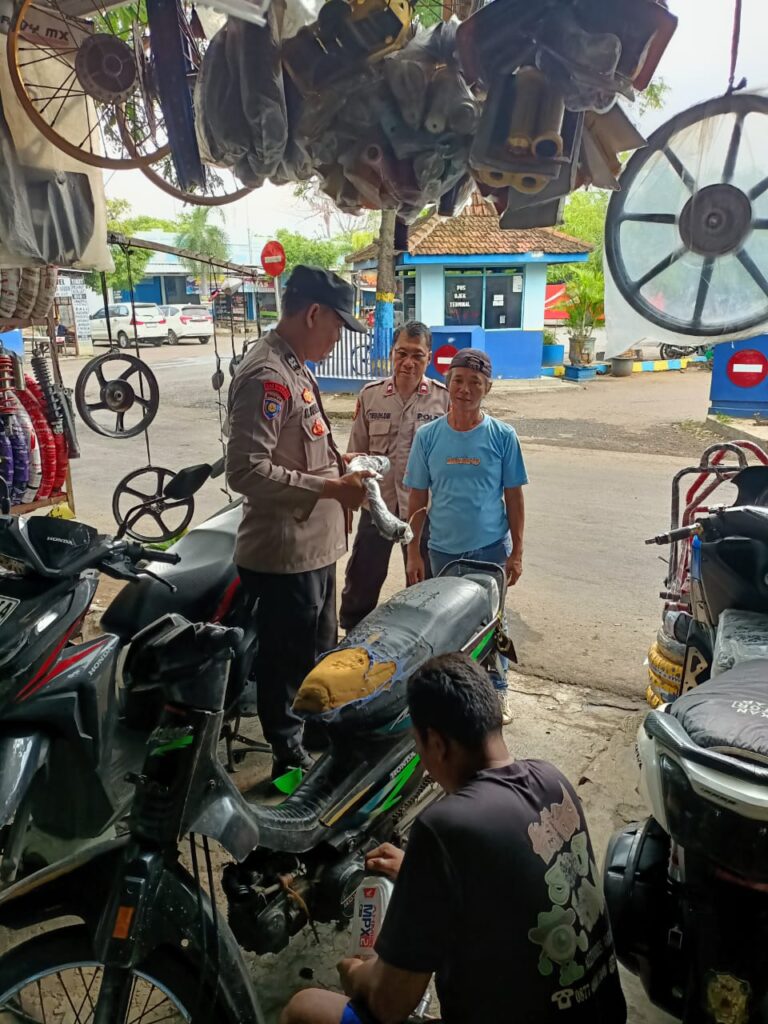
x: 476, y: 232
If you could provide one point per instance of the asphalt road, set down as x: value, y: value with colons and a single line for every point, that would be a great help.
x: 586, y: 608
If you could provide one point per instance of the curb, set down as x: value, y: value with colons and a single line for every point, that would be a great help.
x: 734, y: 433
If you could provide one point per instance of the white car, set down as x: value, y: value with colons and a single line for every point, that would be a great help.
x: 188, y: 322
x: 151, y: 325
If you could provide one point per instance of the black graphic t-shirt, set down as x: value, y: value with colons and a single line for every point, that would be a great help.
x: 500, y: 897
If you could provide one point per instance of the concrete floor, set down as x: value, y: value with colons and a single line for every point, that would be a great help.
x: 600, y: 461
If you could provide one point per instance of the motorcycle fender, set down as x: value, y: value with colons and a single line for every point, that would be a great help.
x: 77, y: 885
x: 21, y: 755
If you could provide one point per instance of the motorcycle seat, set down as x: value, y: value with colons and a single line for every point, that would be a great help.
x: 729, y: 714
x: 387, y: 646
x: 201, y: 577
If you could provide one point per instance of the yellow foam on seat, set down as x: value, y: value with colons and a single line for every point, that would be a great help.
x: 341, y: 677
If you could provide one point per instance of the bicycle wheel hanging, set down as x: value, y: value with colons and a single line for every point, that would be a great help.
x: 686, y: 238
x: 218, y: 188
x: 87, y: 83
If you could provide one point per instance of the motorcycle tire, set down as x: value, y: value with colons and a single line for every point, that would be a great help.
x: 69, y: 949
x: 670, y: 647
x: 664, y: 676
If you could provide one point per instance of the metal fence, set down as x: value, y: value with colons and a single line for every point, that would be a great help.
x: 358, y: 357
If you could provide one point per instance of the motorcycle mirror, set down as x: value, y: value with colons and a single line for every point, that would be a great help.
x: 187, y: 482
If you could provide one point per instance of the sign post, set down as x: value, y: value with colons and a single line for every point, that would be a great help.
x: 273, y: 261
x: 442, y: 358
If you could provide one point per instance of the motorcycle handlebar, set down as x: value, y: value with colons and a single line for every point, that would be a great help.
x: 681, y: 533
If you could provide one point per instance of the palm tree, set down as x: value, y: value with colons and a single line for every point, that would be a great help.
x: 208, y: 240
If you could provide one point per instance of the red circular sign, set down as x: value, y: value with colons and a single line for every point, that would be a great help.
x: 442, y: 358
x: 273, y: 259
x: 747, y: 368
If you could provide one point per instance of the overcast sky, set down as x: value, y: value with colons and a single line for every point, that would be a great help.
x: 695, y: 66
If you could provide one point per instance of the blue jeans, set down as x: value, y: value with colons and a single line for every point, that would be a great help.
x: 498, y: 553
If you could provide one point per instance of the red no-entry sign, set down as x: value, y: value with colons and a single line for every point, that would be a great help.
x: 747, y: 368
x: 273, y: 259
x: 442, y: 358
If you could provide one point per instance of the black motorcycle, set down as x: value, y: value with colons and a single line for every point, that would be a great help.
x: 67, y: 737
x: 146, y: 925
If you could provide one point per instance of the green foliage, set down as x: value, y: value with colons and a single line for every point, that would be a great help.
x: 549, y: 336
x: 195, y: 233
x: 584, y: 301
x: 317, y: 252
x: 119, y: 219
x: 654, y: 97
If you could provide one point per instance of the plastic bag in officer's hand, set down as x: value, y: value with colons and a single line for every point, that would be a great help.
x: 388, y: 525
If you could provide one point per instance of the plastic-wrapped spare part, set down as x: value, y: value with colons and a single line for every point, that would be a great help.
x: 741, y: 636
x: 582, y: 64
x: 388, y: 525
x: 240, y: 108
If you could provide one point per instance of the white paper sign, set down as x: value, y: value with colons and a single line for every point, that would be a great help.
x: 517, y: 283
x: 498, y: 300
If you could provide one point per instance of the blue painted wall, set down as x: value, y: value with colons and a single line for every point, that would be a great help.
x: 515, y: 354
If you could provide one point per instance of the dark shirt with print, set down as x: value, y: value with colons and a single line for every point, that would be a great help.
x: 500, y: 897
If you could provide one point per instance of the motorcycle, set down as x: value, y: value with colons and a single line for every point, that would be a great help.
x: 69, y: 730
x: 667, y: 351
x: 687, y: 890
x: 670, y: 667
x: 145, y: 920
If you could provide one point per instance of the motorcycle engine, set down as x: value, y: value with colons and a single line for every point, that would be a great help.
x: 272, y: 896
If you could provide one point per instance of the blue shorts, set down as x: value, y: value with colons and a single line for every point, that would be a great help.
x: 356, y: 1014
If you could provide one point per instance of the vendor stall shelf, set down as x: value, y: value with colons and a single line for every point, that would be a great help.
x: 65, y: 496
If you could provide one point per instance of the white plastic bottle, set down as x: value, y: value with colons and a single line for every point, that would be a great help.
x: 371, y: 902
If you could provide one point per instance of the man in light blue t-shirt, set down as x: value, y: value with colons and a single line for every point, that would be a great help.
x: 469, y: 468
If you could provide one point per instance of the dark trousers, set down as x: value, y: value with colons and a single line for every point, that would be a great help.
x: 367, y: 569
x: 296, y: 623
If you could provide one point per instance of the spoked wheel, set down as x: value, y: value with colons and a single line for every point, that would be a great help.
x: 55, y: 977
x: 687, y: 235
x: 88, y: 85
x: 219, y: 185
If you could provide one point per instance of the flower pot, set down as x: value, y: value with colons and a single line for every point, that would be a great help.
x: 581, y: 350
x: 621, y: 366
x: 553, y: 355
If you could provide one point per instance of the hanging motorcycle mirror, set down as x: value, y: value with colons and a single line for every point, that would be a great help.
x: 117, y: 395
x: 686, y: 238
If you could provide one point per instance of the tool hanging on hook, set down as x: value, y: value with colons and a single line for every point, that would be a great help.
x: 735, y: 42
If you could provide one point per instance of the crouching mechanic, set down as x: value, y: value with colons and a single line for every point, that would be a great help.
x: 497, y: 894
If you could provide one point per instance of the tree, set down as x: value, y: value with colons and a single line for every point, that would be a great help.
x: 317, y: 252
x: 384, y: 315
x: 120, y: 221
x: 337, y: 224
x: 210, y: 241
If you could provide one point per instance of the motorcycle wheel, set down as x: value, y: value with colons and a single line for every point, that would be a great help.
x: 56, y: 976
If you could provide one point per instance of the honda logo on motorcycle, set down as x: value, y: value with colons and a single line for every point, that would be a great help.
x: 7, y: 607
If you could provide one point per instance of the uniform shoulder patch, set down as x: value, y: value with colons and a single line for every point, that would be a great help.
x: 374, y: 384
x: 276, y: 387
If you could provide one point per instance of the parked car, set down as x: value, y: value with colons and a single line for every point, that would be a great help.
x: 151, y: 325
x: 185, y: 322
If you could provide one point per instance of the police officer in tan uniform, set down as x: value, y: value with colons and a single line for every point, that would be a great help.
x: 387, y: 415
x: 282, y: 458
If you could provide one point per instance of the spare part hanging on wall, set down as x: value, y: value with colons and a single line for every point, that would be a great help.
x: 87, y: 85
x: 144, y: 511
x: 112, y: 390
x: 687, y: 236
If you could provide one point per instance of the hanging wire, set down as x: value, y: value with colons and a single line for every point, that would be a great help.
x: 127, y: 253
x: 219, y: 403
x: 735, y: 43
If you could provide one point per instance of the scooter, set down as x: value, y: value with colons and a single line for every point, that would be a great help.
x: 67, y: 735
x: 687, y: 889
x: 147, y: 926
x: 670, y: 668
